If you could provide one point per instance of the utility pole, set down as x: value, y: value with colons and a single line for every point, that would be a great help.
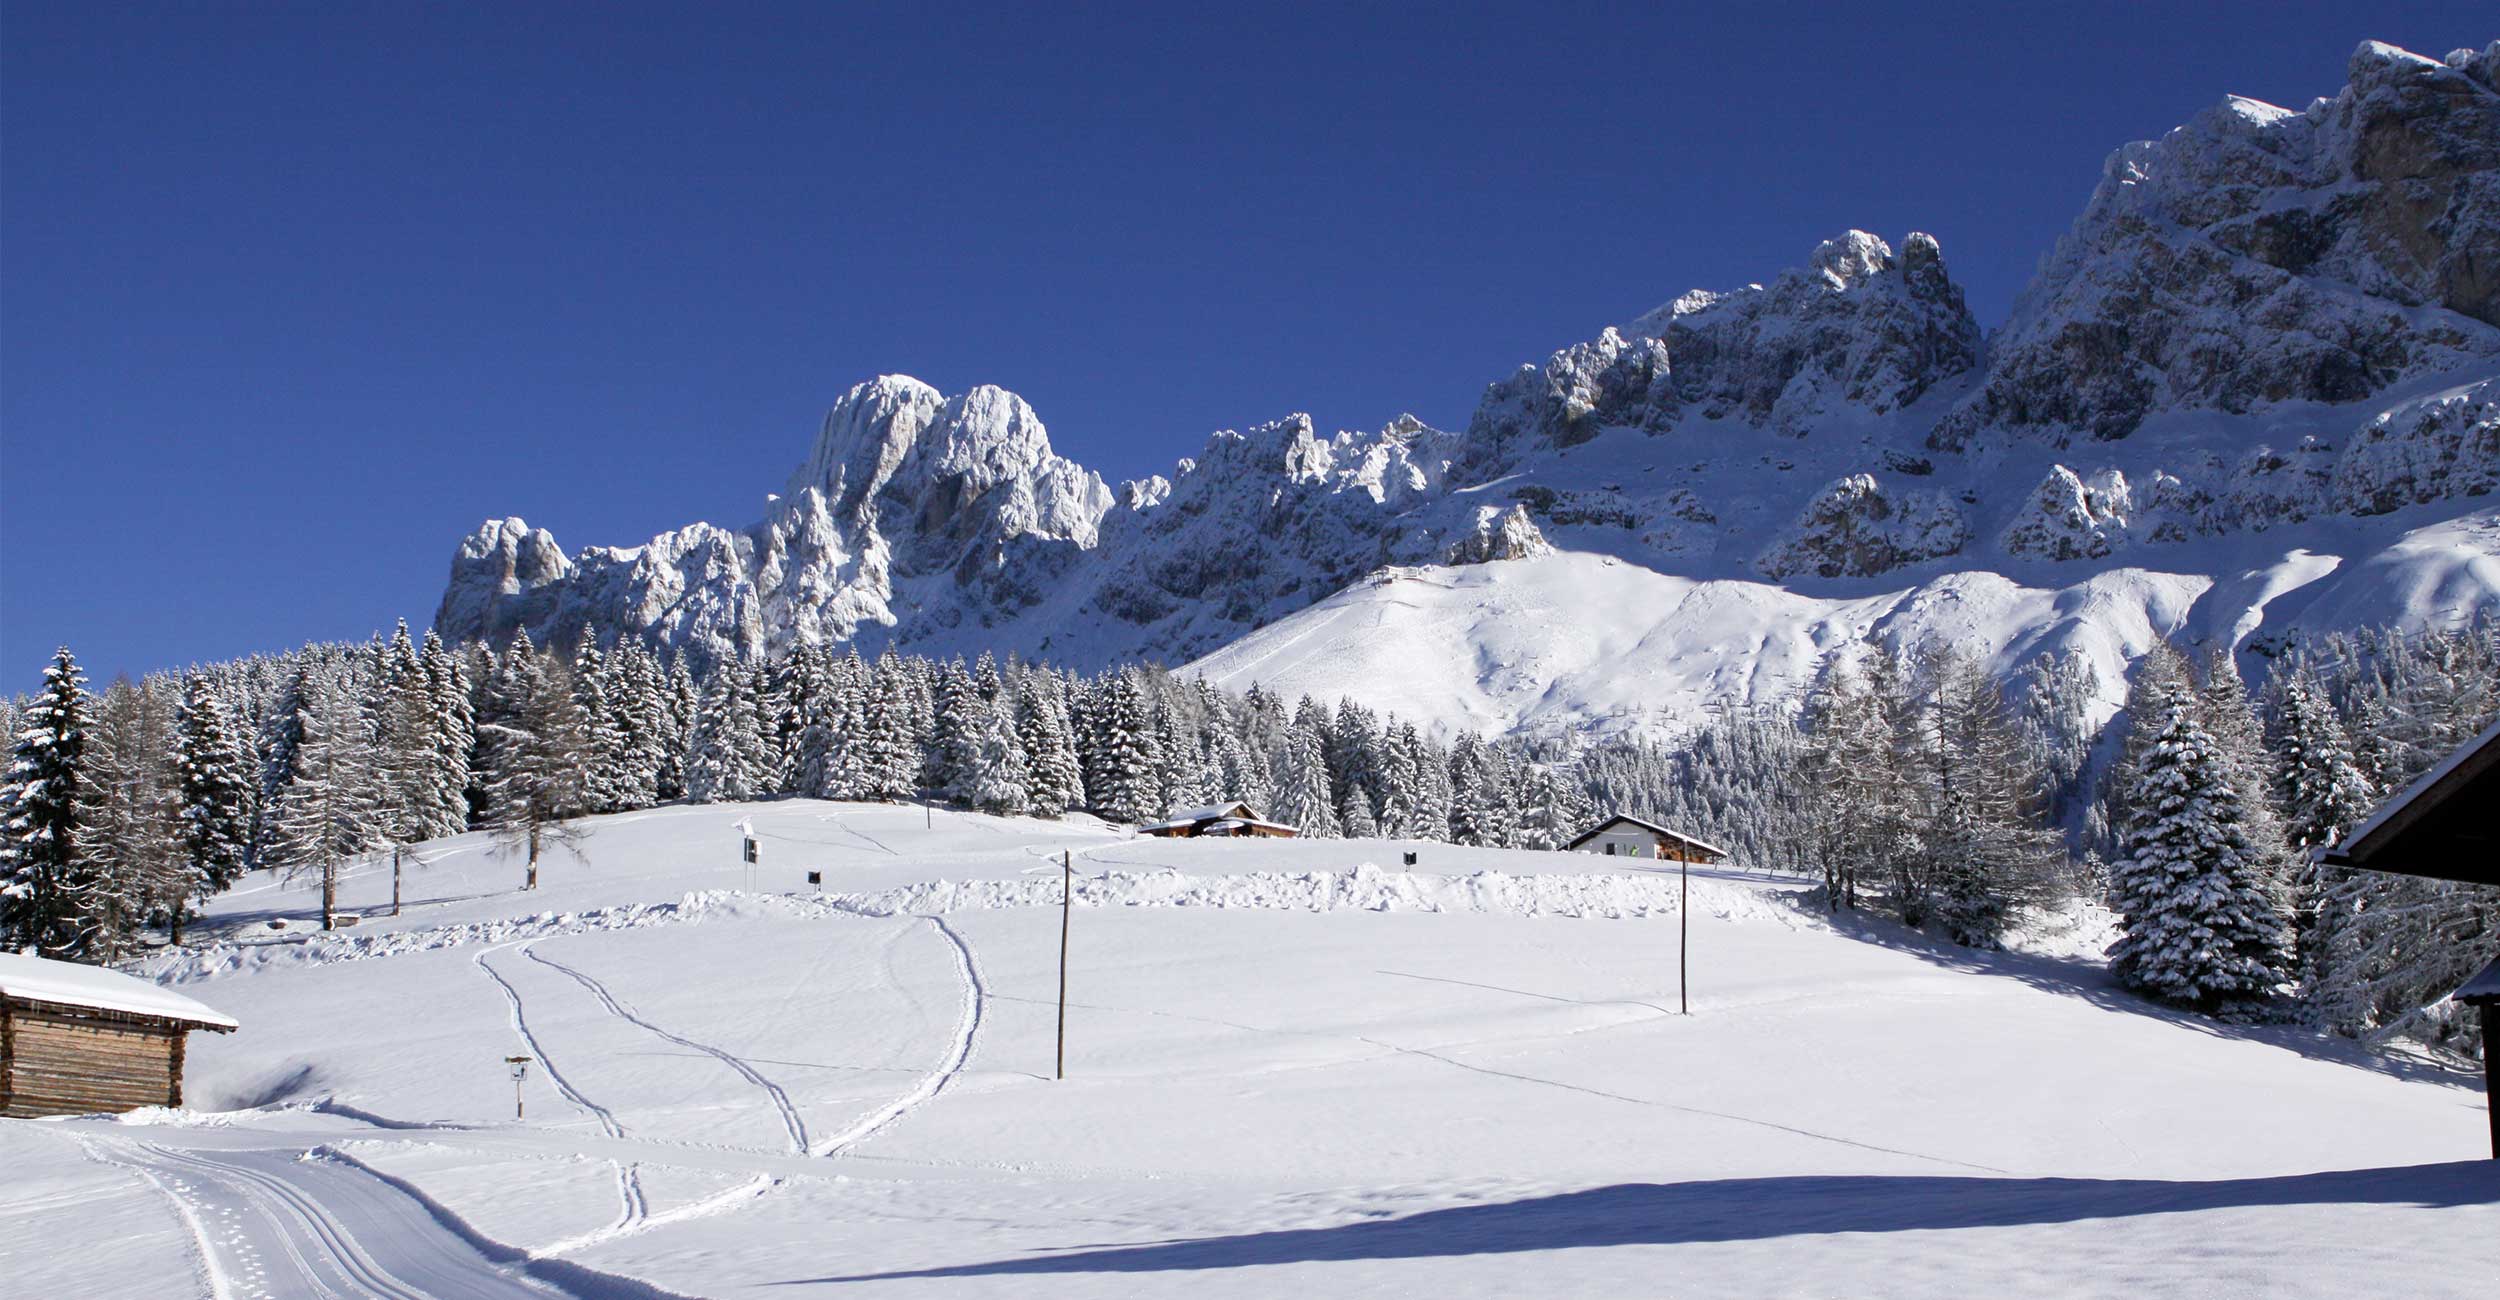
x: 1684, y: 935
x: 1067, y: 889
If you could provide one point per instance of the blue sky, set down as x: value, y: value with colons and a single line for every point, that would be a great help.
x: 291, y: 297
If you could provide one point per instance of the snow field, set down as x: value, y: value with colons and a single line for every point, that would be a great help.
x: 1287, y: 1069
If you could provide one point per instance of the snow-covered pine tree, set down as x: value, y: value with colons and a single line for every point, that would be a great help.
x: 329, y: 812
x: 451, y: 725
x: 889, y: 759
x: 2230, y: 718
x: 637, y: 717
x: 1552, y: 810
x: 1353, y: 743
x: 724, y: 754
x: 1055, y: 784
x: 408, y: 752
x: 1238, y: 772
x: 680, y: 704
x: 998, y: 779
x: 2059, y: 715
x: 603, y: 741
x: 1400, y: 816
x: 2320, y: 787
x: 1302, y: 798
x: 2318, y: 780
x: 1354, y: 815
x: 954, y: 757
x: 281, y: 733
x: 216, y: 790
x: 43, y: 863
x: 2200, y: 920
x: 1434, y: 795
x: 1127, y: 787
x: 541, y: 777
x: 1179, y: 770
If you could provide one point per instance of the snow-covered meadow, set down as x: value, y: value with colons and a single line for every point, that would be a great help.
x: 1292, y: 1066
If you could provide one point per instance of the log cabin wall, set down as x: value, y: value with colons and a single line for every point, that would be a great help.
x: 73, y: 1061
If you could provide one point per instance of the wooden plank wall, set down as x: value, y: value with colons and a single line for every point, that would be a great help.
x: 59, y: 1064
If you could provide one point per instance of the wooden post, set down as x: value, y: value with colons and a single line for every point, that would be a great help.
x: 2491, y: 1076
x: 396, y: 851
x: 1684, y: 939
x: 1067, y: 891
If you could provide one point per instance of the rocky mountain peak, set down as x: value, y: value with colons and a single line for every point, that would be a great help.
x: 2260, y: 255
x: 1858, y: 328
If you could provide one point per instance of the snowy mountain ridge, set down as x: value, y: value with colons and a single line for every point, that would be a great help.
x: 2267, y: 352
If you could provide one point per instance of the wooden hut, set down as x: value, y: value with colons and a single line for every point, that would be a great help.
x: 77, y: 1039
x: 1222, y: 819
x: 2442, y: 827
x: 1630, y: 837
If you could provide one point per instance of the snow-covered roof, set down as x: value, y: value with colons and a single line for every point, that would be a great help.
x: 2380, y: 831
x: 1187, y: 815
x: 2484, y: 988
x: 1622, y: 819
x: 66, y: 983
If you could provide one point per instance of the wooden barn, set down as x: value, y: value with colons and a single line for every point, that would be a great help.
x: 2441, y: 827
x: 77, y: 1039
x: 1234, y: 818
x: 1630, y: 837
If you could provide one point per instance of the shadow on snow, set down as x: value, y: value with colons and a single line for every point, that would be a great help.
x: 1746, y: 1209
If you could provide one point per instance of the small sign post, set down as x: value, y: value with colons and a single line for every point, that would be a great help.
x: 520, y: 1070
x: 817, y: 878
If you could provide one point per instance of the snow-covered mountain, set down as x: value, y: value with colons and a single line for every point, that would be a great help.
x: 2257, y: 385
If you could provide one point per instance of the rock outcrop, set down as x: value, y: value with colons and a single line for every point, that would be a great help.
x: 2260, y: 255
x: 1857, y: 330
x: 1857, y: 527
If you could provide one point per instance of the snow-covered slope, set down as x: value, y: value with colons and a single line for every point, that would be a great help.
x: 2272, y: 333
x: 1292, y: 1066
x: 1577, y: 643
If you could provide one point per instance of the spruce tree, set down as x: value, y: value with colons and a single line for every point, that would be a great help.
x: 43, y: 864
x: 954, y: 757
x: 1128, y: 788
x: 2200, y: 925
x: 451, y: 725
x: 889, y: 762
x: 1401, y: 815
x: 216, y: 790
x: 998, y: 780
x: 724, y: 753
x: 1056, y: 784
x: 1302, y: 795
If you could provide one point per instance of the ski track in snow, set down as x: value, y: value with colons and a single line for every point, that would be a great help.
x: 958, y: 1051
x: 266, y: 1198
x: 632, y: 1207
x: 790, y: 1121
